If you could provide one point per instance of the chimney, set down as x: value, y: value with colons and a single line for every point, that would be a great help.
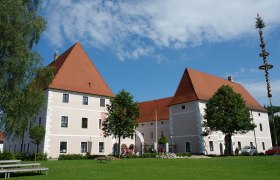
x: 230, y: 78
x: 56, y: 55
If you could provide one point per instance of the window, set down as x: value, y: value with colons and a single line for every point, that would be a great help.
x: 24, y: 147
x: 188, y: 147
x: 40, y: 121
x: 101, y: 147
x: 263, y: 145
x: 63, y: 147
x: 15, y: 147
x: 162, y: 133
x: 251, y: 144
x: 102, y: 102
x: 211, y: 145
x: 261, y: 127
x: 152, y: 123
x: 28, y: 147
x: 84, y: 122
x: 259, y: 114
x: 162, y: 122
x: 183, y: 107
x: 132, y: 136
x: 123, y: 137
x: 152, y: 135
x: 142, y: 124
x: 100, y: 124
x: 85, y: 100
x: 64, y: 121
x: 83, y: 147
x: 239, y: 145
x: 65, y: 98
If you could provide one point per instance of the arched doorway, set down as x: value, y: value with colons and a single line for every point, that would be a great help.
x: 141, y: 138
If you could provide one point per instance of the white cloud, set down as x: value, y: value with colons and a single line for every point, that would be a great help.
x: 120, y: 25
x: 259, y: 91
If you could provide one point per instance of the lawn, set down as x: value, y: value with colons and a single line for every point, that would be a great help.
x: 257, y: 167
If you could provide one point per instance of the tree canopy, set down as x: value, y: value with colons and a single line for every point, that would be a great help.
x: 226, y: 112
x: 122, y: 114
x: 22, y: 74
x: 37, y: 134
x: 162, y: 140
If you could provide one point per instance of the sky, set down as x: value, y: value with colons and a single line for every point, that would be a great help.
x: 144, y: 46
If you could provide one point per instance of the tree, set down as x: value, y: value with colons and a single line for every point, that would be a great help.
x: 275, y: 109
x: 22, y: 75
x: 121, y: 120
x: 277, y: 129
x: 226, y: 112
x: 162, y: 140
x: 37, y: 134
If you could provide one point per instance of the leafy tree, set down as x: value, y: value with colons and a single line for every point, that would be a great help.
x: 277, y: 129
x: 122, y: 114
x: 37, y: 134
x: 22, y: 75
x: 162, y: 140
x: 226, y: 112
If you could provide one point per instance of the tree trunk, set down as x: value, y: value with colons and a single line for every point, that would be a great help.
x: 228, y: 144
x: 37, y: 147
x: 119, y: 147
x: 22, y: 140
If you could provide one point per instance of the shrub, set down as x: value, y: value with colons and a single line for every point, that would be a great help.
x: 71, y: 157
x: 6, y: 155
x: 184, y: 154
x: 148, y: 155
x: 20, y: 156
x: 131, y: 156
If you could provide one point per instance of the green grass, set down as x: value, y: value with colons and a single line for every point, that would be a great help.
x: 257, y: 167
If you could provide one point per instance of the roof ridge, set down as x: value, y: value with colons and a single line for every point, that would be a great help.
x: 156, y: 99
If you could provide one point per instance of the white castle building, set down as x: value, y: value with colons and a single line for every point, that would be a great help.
x: 74, y: 112
x: 180, y: 118
x: 76, y: 108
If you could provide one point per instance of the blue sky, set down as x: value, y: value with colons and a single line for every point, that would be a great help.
x: 144, y: 46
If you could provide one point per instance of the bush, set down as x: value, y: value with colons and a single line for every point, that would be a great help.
x: 7, y: 156
x: 184, y: 154
x: 23, y: 156
x: 131, y: 156
x: 71, y: 157
x: 148, y: 155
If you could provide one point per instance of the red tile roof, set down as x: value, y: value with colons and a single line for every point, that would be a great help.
x: 148, y: 110
x: 74, y: 71
x: 197, y: 85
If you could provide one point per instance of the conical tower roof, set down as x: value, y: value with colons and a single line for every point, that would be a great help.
x: 74, y: 71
